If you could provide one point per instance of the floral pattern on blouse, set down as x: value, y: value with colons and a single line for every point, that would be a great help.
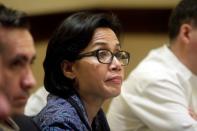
x: 60, y: 115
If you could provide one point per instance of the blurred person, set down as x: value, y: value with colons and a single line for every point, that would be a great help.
x: 160, y: 94
x: 84, y: 66
x: 17, y: 54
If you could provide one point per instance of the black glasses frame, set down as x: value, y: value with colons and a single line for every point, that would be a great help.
x: 96, y: 53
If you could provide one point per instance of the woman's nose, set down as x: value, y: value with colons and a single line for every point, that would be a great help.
x: 115, y: 64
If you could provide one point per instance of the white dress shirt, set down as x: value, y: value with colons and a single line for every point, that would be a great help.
x: 156, y: 96
x: 36, y: 102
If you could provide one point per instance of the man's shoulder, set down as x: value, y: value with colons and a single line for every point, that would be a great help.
x: 152, y: 70
x: 25, y: 123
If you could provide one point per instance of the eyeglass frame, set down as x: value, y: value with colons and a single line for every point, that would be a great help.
x: 96, y: 54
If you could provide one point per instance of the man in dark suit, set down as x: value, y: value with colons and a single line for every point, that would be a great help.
x: 17, y: 54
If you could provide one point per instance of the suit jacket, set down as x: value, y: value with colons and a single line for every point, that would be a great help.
x: 25, y: 123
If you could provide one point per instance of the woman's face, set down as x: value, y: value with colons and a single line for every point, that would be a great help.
x: 95, y: 79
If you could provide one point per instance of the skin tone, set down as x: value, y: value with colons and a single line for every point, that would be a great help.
x: 185, y: 48
x: 4, y: 108
x: 18, y: 55
x: 96, y: 81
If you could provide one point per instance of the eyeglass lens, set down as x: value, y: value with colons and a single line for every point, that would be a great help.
x: 106, y: 57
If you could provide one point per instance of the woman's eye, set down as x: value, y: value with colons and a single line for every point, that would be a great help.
x: 104, y: 54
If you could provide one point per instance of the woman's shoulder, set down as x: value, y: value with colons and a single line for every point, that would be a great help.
x: 57, y: 108
x: 58, y: 111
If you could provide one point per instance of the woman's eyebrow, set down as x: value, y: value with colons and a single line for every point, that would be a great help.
x: 104, y: 44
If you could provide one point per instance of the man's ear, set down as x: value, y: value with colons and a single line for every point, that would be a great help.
x: 67, y: 69
x: 185, y: 32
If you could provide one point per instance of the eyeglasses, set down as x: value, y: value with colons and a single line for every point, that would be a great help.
x: 105, y: 56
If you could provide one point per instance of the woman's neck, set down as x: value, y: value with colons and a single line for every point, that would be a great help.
x: 92, y: 107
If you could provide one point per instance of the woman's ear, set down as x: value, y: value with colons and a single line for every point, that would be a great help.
x: 67, y: 69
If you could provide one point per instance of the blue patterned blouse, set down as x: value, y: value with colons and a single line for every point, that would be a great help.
x: 68, y: 115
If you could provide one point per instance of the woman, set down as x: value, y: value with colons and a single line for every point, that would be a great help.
x: 83, y: 68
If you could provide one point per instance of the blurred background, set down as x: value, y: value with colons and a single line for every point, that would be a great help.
x: 145, y: 24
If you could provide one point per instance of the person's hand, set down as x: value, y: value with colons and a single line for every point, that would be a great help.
x: 192, y: 114
x: 4, y: 107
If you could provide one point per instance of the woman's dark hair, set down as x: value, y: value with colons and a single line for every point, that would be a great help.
x: 185, y: 12
x: 72, y: 37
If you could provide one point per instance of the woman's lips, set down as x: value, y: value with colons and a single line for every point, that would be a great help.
x: 115, y: 80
